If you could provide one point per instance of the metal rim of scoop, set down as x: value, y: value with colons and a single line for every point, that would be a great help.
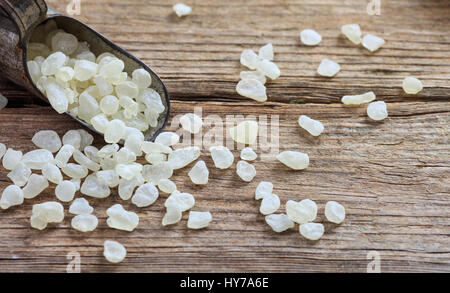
x: 149, y: 135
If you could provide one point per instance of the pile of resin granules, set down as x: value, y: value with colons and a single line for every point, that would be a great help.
x: 97, y: 90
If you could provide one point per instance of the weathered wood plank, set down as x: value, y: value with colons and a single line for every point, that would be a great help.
x: 393, y: 177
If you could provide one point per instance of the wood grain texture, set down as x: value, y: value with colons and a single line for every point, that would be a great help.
x: 393, y: 177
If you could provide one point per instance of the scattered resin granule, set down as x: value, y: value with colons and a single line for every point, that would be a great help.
x: 312, y: 231
x: 269, y: 204
x: 181, y: 9
x: 412, y: 85
x: 372, y: 43
x: 294, y: 160
x: 328, y: 68
x: 314, y: 127
x: 377, y: 110
x: 253, y: 89
x: 301, y: 212
x: 334, y: 212
x: 279, y: 222
x: 358, y: 99
x: 310, y: 37
x: 114, y: 252
x: 352, y: 32
x: 199, y: 220
x: 246, y: 132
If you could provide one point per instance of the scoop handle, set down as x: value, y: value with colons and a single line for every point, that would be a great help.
x: 24, y: 13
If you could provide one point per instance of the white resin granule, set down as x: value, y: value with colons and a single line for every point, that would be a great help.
x: 86, y: 139
x: 184, y: 201
x: 128, y: 171
x: 134, y: 141
x: 100, y: 122
x: 64, y: 42
x: 181, y: 9
x: 372, y: 43
x: 154, y: 173
x: 75, y: 171
x: 145, y: 195
x: 199, y: 220
x: 222, y: 157
x: 266, y: 52
x: 80, y: 206
x: 115, y: 131
x: 328, y: 68
x: 119, y: 218
x: 52, y: 173
x: 73, y: 138
x: 172, y: 216
x: 37, y: 159
x: 310, y: 37
x: 63, y: 155
x: 249, y: 59
x: 155, y: 158
x: 269, y: 69
x: 245, y: 171
x: 155, y: 148
x: 125, y: 156
x: 352, y: 32
x: 53, y: 63
x: 314, y: 127
x: 246, y: 132
x: 248, y: 154
x: 65, y: 74
x: 11, y: 159
x: 377, y: 110
x: 83, y: 160
x: 301, y: 212
x: 127, y: 89
x: 108, y: 151
x: 191, y: 123
x: 113, y: 251
x: 253, y: 89
x: 334, y: 212
x: 167, y: 138
x: 264, y: 188
x: 36, y: 184
x: 183, y: 157
x: 84, y: 223
x: 199, y: 173
x: 167, y: 186
x: 312, y: 231
x: 108, y: 177
x: 20, y: 174
x: 358, y: 99
x: 47, y: 139
x: 269, y: 204
x: 94, y: 187
x: 46, y: 212
x: 11, y: 196
x: 126, y: 187
x: 253, y: 74
x: 85, y: 70
x: 294, y: 160
x: 279, y: 222
x: 65, y: 191
x: 109, y: 105
x: 151, y: 99
x: 141, y: 78
x: 57, y: 96
x: 412, y: 85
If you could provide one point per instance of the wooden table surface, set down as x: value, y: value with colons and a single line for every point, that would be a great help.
x: 393, y: 177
